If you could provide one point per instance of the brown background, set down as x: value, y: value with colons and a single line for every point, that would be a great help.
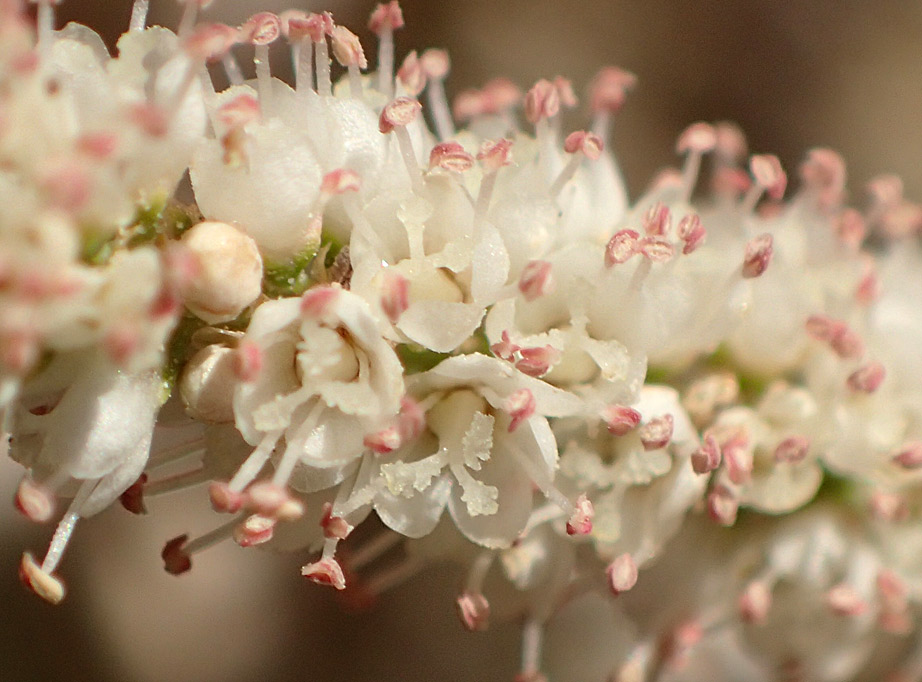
x: 794, y: 74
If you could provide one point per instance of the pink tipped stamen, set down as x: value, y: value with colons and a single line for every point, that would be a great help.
x: 326, y: 571
x: 532, y: 643
x: 823, y: 175
x: 844, y: 600
x: 395, y: 117
x: 319, y: 26
x: 256, y: 529
x: 867, y: 378
x: 722, y: 505
x: 505, y: 349
x: 620, y: 420
x: 708, y: 457
x: 223, y: 499
x: 520, y: 405
x: 451, y: 157
x: 580, y: 521
x: 769, y: 177
x: 657, y: 432
x: 757, y: 256
x: 474, y: 611
x: 348, y: 51
x: 385, y: 19
x: 411, y: 75
x: 493, y: 156
x: 537, y: 361
x: 792, y: 450
x: 755, y: 602
x: 607, y: 95
x: 383, y: 442
x: 622, y: 574
x: 579, y: 145
x: 436, y: 65
x: 34, y: 501
x: 334, y: 527
x: 909, y: 456
x: 695, y: 141
x: 624, y: 245
x: 692, y: 232
x: 536, y: 280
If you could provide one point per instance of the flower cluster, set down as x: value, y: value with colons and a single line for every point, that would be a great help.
x: 705, y: 403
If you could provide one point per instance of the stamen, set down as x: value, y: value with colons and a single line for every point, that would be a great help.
x: 580, y: 521
x: 823, y: 174
x: 473, y: 608
x: 657, y: 432
x: 607, y: 94
x: 844, y: 600
x: 757, y: 256
x: 256, y: 529
x: 34, y: 501
x: 536, y: 280
x: 867, y: 378
x: 536, y: 362
x: 411, y: 75
x: 707, y: 458
x: 755, y: 602
x: 542, y: 102
x: 261, y: 30
x: 296, y: 27
x: 396, y: 116
x: 505, y: 349
x: 435, y: 64
x: 66, y: 527
x: 579, y: 144
x: 45, y: 585
x: 334, y: 527
x: 383, y: 22
x: 910, y: 456
x: 255, y: 462
x: 532, y: 636
x: 493, y: 156
x: 45, y: 24
x: 348, y: 52
x: 624, y: 245
x: 692, y: 232
x: 722, y: 504
x: 450, y: 156
x: 223, y: 499
x: 694, y: 141
x: 320, y: 26
x: 622, y: 574
x: 769, y: 178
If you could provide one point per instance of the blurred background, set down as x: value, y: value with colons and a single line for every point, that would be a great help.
x: 794, y: 75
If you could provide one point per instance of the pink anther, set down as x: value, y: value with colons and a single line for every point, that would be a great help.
x: 867, y: 378
x: 500, y: 95
x: 624, y: 245
x: 505, y: 349
x: 542, y: 101
x: 730, y: 141
x: 386, y: 17
x: 589, y: 144
x: 435, y: 63
x: 474, y: 611
x: 262, y: 28
x: 495, y: 154
x: 395, y: 295
x: 410, y: 420
x: 340, y: 181
x: 319, y: 25
x: 98, y: 146
x: 520, y: 405
x: 698, y: 138
x: 399, y: 113
x: 334, y: 527
x: 622, y: 574
x: 844, y: 600
x: 824, y: 174
x: 224, y: 500
x: 536, y: 280
x: 657, y: 221
x: 383, y: 442
x: 766, y: 169
x: 609, y: 89
x: 34, y: 501
x: 792, y: 450
x: 692, y: 232
x: 706, y: 458
x: 755, y: 602
x: 565, y: 92
x: 347, y: 48
x: 450, y: 156
x: 656, y: 249
x: 411, y: 75
x: 620, y: 419
x: 254, y: 530
x: 580, y: 521
x: 326, y: 571
x: 294, y: 24
x: 758, y: 255
x: 657, y: 432
x: 239, y: 111
x: 537, y: 361
x: 722, y: 505
x: 909, y: 456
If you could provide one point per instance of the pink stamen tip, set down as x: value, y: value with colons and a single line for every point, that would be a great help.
x: 45, y: 585
x: 589, y: 144
x: 151, y: 119
x: 867, y: 379
x: 889, y: 507
x: 500, y: 94
x: 347, y: 48
x: 386, y: 17
x: 495, y: 154
x: 657, y: 432
x: 319, y: 25
x: 474, y: 611
x: 657, y: 221
x: 316, y: 302
x: 340, y: 181
x: 238, y: 112
x: 266, y: 498
x: 731, y: 142
x: 910, y: 456
x: 334, y: 527
x: 580, y: 521
x: 766, y: 169
x: 176, y: 560
x: 739, y: 459
x: 410, y: 420
x: 223, y: 499
x: 868, y: 289
x: 609, y: 89
x: 697, y: 138
x: 732, y: 181
x: 34, y: 501
x: 436, y: 63
x: 656, y: 249
x: 247, y: 361
x: 520, y: 405
x: 722, y: 505
x: 692, y: 232
x: 384, y: 441
x: 758, y: 255
x: 536, y: 362
x: 450, y: 156
x: 133, y: 497
x: 624, y: 245
x: 99, y: 146
x: 542, y: 101
x: 886, y: 190
x: 844, y: 600
x: 395, y: 296
x: 263, y: 28
x: 840, y: 337
x: 622, y: 574
x: 294, y: 24
x: 824, y: 174
x: 255, y: 530
x: 792, y: 450
x: 505, y: 349
x: 468, y: 105
x: 210, y: 42
x: 325, y: 572
x: 399, y: 113
x: 565, y: 92
x: 620, y: 419
x: 536, y: 280
x: 755, y: 602
x: 707, y: 458
x: 411, y: 75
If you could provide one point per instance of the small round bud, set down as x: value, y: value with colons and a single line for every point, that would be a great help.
x: 230, y: 272
x: 207, y: 385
